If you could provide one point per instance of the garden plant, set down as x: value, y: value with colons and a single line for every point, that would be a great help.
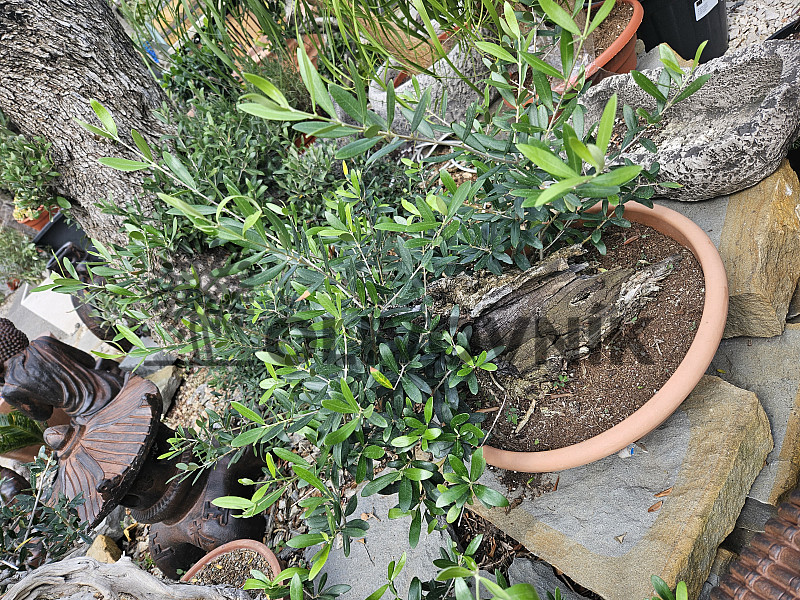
x: 321, y: 304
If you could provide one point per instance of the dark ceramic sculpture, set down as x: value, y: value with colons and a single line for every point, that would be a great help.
x: 109, y: 450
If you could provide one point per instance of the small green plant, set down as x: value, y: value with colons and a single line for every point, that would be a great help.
x: 34, y: 528
x: 27, y: 171
x: 512, y: 415
x: 19, y: 257
x: 664, y: 593
x: 562, y: 380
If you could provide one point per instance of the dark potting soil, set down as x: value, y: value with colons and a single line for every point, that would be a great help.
x: 601, y: 389
x: 610, y: 29
x: 233, y: 569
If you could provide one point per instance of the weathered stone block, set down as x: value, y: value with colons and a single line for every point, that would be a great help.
x: 730, y: 134
x: 604, y: 526
x: 760, y: 246
x: 757, y: 232
x: 769, y: 367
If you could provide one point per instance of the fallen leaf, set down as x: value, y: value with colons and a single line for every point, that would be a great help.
x: 367, y: 516
x: 303, y: 296
x: 620, y: 538
x: 488, y: 410
x: 663, y: 493
x: 655, y: 506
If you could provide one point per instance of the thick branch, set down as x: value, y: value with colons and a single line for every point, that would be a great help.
x: 86, y: 579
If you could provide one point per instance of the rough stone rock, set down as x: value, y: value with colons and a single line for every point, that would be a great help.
x: 167, y: 380
x: 757, y: 233
x: 386, y: 540
x: 111, y: 526
x: 729, y: 135
x: 104, y: 550
x: 769, y: 368
x: 794, y: 304
x: 540, y: 575
x: 760, y: 246
x: 663, y: 510
x: 459, y: 94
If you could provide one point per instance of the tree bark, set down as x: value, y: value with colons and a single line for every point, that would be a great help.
x: 56, y: 55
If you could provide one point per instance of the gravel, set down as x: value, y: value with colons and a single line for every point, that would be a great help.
x: 753, y: 21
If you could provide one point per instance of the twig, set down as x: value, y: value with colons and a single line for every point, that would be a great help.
x: 499, y: 412
x: 25, y: 538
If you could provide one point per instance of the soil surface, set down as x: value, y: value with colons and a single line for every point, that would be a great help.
x: 610, y: 29
x: 233, y: 569
x: 598, y: 391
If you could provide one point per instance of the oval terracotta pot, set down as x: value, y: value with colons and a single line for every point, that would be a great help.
x: 620, y: 56
x: 656, y: 410
x: 253, y: 545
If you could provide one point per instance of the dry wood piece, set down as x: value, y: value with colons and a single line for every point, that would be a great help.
x: 86, y: 579
x: 553, y: 311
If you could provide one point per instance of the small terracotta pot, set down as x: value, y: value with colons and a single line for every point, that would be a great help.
x: 659, y: 408
x: 39, y: 223
x: 253, y: 545
x: 619, y: 57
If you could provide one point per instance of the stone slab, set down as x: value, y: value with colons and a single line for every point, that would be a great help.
x: 167, y: 380
x: 601, y: 527
x: 770, y: 367
x: 386, y: 540
x: 757, y: 232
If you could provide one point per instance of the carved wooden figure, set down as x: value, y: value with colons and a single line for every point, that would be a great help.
x: 108, y: 451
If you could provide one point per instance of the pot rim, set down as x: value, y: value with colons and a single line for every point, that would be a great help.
x: 693, y: 366
x: 243, y: 544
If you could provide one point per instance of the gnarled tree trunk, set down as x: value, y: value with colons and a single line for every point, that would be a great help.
x: 55, y: 55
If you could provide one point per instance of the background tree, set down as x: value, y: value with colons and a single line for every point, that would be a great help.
x: 56, y: 56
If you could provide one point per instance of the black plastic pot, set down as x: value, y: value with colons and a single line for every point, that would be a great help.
x: 784, y: 33
x: 58, y: 232
x: 676, y: 22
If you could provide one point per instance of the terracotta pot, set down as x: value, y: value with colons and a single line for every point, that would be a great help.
x: 656, y: 410
x: 620, y: 57
x: 39, y: 223
x: 617, y: 59
x: 253, y: 545
x: 28, y: 453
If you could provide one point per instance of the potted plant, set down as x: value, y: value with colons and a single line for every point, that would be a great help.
x: 233, y: 564
x: 20, y: 259
x: 362, y: 357
x: 27, y: 171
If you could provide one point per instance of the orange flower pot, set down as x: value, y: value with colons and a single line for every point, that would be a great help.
x: 659, y: 408
x: 253, y: 545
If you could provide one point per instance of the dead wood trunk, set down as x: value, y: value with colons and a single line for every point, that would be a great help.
x: 86, y: 579
x: 556, y: 311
